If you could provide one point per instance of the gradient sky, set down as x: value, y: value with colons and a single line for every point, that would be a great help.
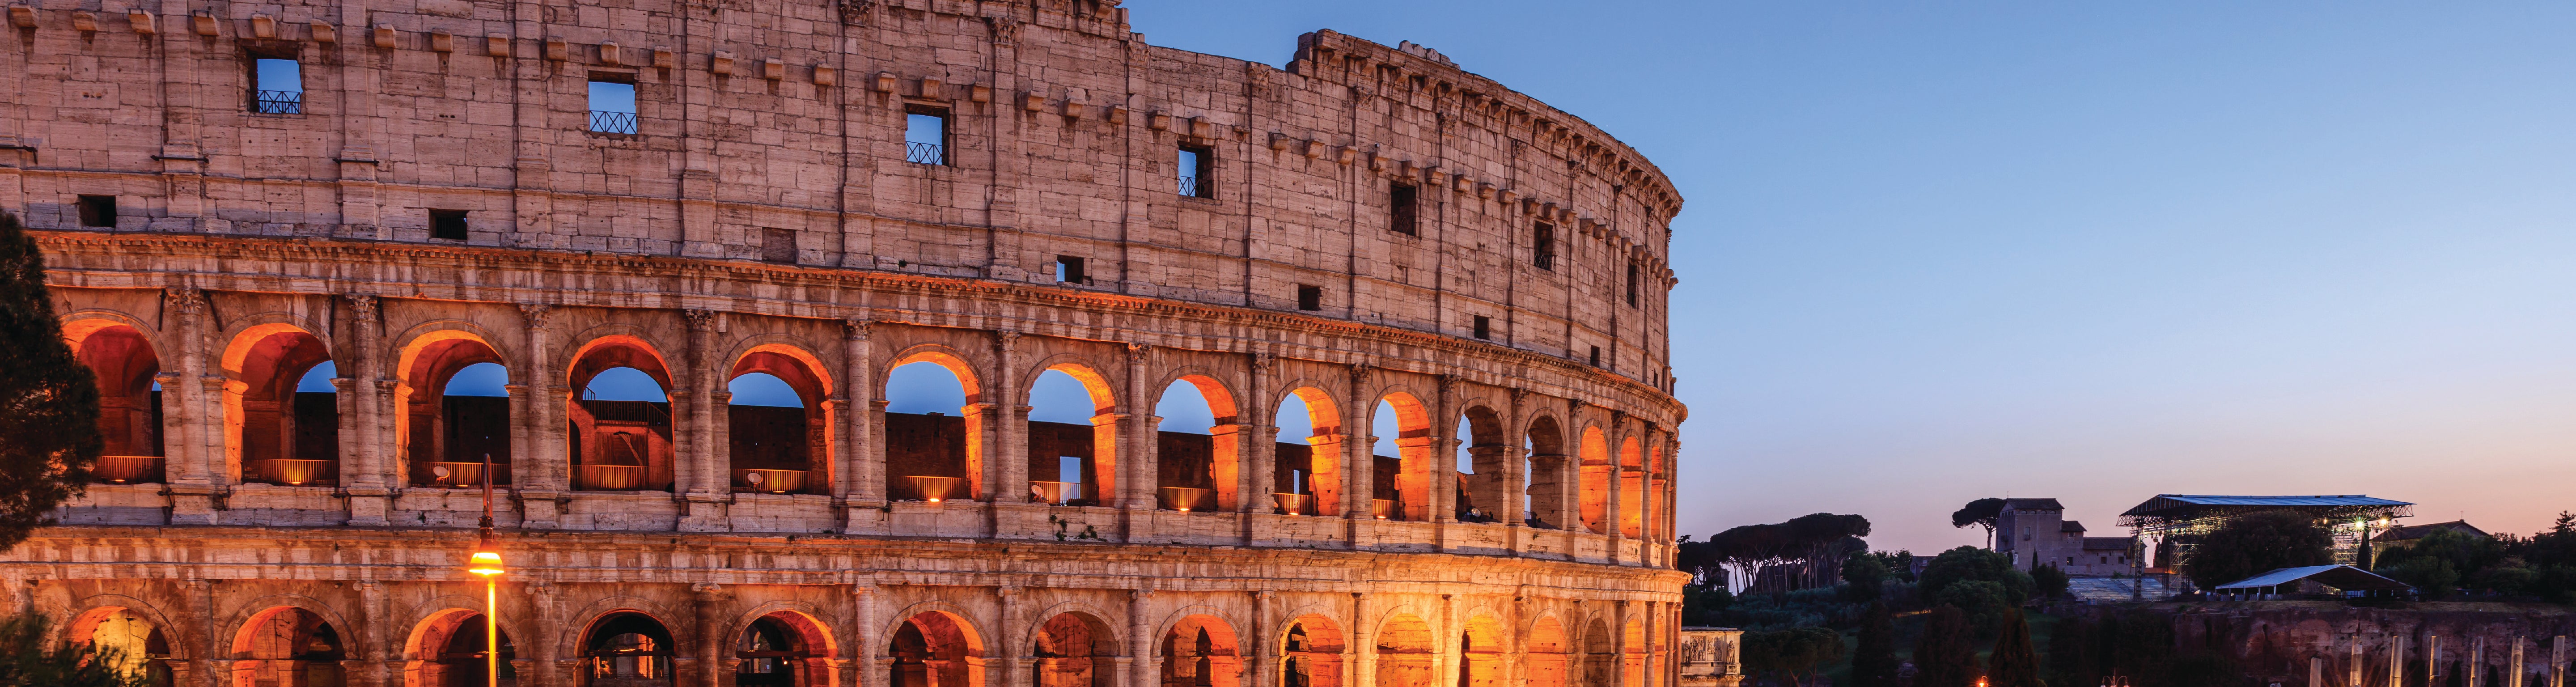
x: 2091, y: 251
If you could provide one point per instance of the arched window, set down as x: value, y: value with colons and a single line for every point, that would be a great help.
x: 1400, y: 480
x: 772, y: 435
x: 627, y: 649
x: 1306, y: 476
x: 934, y: 649
x: 1404, y: 653
x: 289, y: 410
x: 781, y: 650
x: 1200, y: 651
x: 1547, y: 482
x: 461, y: 659
x: 1196, y: 468
x: 926, y: 449
x: 621, y: 432
x: 129, y: 404
x: 1074, y: 650
x: 472, y: 425
x: 288, y: 646
x: 1311, y: 653
x: 1072, y: 438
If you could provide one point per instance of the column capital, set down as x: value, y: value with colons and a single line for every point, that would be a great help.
x: 538, y: 315
x: 856, y: 327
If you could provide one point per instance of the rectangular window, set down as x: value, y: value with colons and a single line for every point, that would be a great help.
x: 1402, y: 217
x: 612, y: 104
x: 1484, y: 327
x: 277, y: 86
x: 1196, y: 167
x: 1596, y: 356
x: 98, y: 211
x: 1068, y: 269
x: 1632, y: 285
x: 925, y: 134
x: 778, y: 245
x: 1543, y: 246
x: 447, y: 225
x: 1310, y: 297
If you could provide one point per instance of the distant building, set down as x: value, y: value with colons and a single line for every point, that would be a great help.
x: 2035, y: 532
x: 2406, y: 536
x: 2176, y: 522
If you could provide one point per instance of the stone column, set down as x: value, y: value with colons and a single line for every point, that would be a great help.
x: 1140, y: 640
x: 1264, y: 651
x: 1360, y: 447
x: 1363, y: 651
x: 708, y: 601
x: 1619, y: 612
x: 1014, y: 653
x: 1136, y: 445
x: 1614, y: 512
x: 201, y: 623
x: 1443, y: 461
x: 700, y: 482
x: 864, y: 486
x: 544, y: 622
x: 865, y: 646
x: 192, y: 430
x: 1255, y: 413
x: 364, y: 450
x: 539, y: 468
x: 1011, y: 484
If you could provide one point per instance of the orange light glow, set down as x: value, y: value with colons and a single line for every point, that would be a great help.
x: 485, y: 563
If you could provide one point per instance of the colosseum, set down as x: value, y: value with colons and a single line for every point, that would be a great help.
x: 339, y: 265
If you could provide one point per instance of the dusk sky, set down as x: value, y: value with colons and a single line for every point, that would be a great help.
x: 2090, y: 251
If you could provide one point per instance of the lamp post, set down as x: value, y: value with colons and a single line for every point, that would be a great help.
x: 486, y: 562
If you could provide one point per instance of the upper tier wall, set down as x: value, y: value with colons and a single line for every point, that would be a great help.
x: 761, y: 123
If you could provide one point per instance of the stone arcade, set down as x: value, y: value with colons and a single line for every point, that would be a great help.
x: 289, y: 235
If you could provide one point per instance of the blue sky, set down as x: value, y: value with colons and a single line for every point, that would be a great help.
x: 2091, y: 251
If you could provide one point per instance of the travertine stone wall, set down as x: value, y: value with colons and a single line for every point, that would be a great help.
x: 243, y: 244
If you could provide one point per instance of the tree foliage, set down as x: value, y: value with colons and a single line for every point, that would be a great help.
x: 1981, y: 601
x: 2013, y: 663
x: 1793, y: 656
x: 2074, y: 653
x: 26, y: 660
x: 2257, y: 543
x: 48, y: 399
x: 1981, y: 513
x: 1815, y: 542
x: 2048, y: 582
x: 1866, y: 574
x: 1874, y: 654
x: 1968, y: 564
x: 1946, y: 654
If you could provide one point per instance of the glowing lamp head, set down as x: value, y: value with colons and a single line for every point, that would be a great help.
x: 934, y: 499
x: 486, y: 563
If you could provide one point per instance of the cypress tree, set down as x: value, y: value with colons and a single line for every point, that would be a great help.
x: 1946, y: 654
x: 2014, y: 663
x: 2072, y: 653
x: 48, y: 399
x: 1874, y: 659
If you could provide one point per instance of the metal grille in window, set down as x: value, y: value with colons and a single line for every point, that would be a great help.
x: 1190, y: 187
x: 925, y: 153
x: 277, y: 102
x: 607, y: 122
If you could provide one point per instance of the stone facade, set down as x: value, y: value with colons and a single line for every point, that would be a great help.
x: 434, y: 190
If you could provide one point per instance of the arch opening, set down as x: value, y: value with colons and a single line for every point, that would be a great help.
x: 1197, y: 471
x: 930, y: 454
x: 1073, y: 650
x: 448, y: 650
x: 1632, y: 489
x: 1311, y: 653
x: 288, y: 647
x: 783, y: 649
x: 131, y: 643
x: 620, y: 421
x: 1400, y: 484
x: 627, y: 649
x: 1597, y: 472
x: 935, y: 649
x: 1543, y: 476
x: 282, y: 412
x: 776, y: 424
x: 1200, y: 651
x: 1596, y: 653
x: 1306, y: 475
x: 1485, y: 463
x: 129, y: 405
x: 454, y: 409
x: 1404, y: 653
x: 1073, y: 438
x: 1543, y: 664
x: 1480, y: 652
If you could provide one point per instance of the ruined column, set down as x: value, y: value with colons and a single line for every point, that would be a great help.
x: 1014, y: 650
x: 1360, y: 447
x: 1614, y: 521
x: 863, y: 456
x: 364, y: 449
x: 1140, y: 640
x: 1011, y: 457
x: 538, y: 467
x: 700, y: 481
x: 866, y: 647
x: 1137, y: 445
x: 1442, y: 464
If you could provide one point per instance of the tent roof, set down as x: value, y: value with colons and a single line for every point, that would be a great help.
x: 2343, y: 577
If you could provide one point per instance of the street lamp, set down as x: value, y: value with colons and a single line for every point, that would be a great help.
x: 486, y: 562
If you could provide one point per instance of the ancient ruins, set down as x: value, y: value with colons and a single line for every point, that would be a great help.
x: 287, y: 235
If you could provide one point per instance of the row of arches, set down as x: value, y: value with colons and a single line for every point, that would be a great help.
x: 620, y: 424
x: 294, y: 645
